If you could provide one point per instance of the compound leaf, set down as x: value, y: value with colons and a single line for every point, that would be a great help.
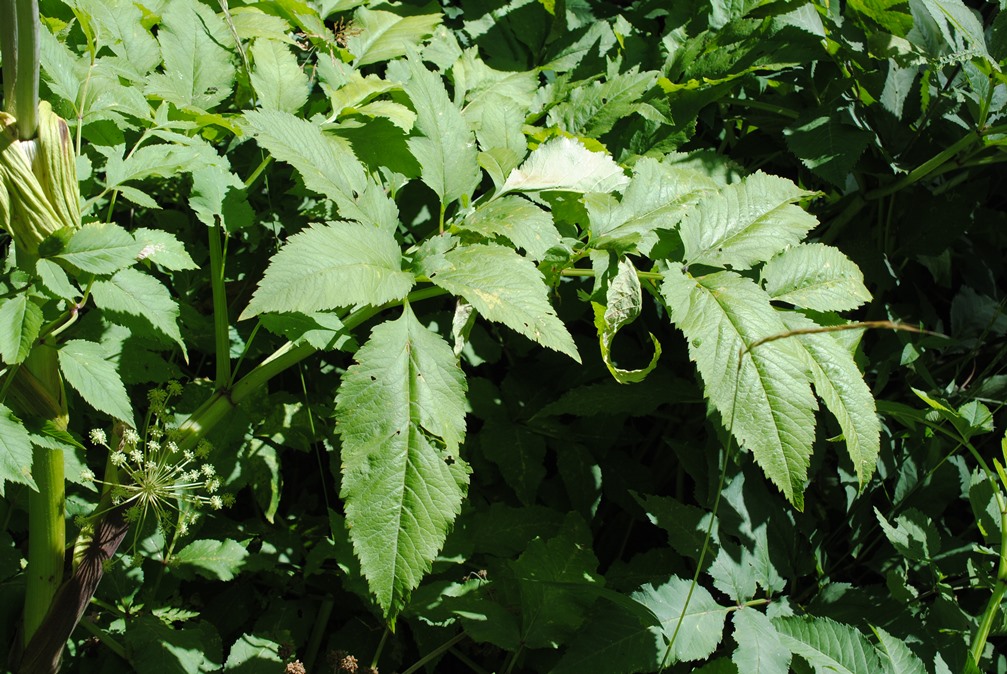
x: 828, y: 646
x: 817, y: 277
x: 85, y: 368
x: 401, y: 415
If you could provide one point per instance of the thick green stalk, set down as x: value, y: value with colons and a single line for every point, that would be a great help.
x: 993, y: 606
x: 19, y: 25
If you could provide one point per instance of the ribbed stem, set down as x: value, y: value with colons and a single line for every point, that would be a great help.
x: 19, y: 26
x: 46, y: 537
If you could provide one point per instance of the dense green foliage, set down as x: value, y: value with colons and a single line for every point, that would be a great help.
x: 546, y: 336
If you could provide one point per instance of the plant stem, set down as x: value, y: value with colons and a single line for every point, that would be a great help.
x: 221, y: 322
x: 317, y: 632
x: 434, y: 653
x: 46, y: 539
x: 20, y: 45
x: 993, y: 606
x: 926, y: 168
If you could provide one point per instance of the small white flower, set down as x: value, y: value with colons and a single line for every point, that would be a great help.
x: 216, y: 502
x: 98, y: 437
x: 118, y: 459
x: 207, y: 470
x: 130, y: 436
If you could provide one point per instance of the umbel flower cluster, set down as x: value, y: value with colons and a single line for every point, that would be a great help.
x: 157, y: 479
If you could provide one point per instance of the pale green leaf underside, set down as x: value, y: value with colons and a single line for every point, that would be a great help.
x: 15, y: 451
x: 20, y: 321
x: 840, y: 385
x: 745, y: 223
x: 505, y: 287
x: 84, y: 367
x: 137, y: 294
x: 828, y: 646
x: 767, y: 404
x: 565, y: 164
x: 817, y: 277
x: 400, y: 414
x: 338, y: 264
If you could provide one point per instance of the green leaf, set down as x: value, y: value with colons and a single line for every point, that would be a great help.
x: 565, y: 164
x: 760, y: 650
x: 959, y: 27
x: 15, y: 451
x: 613, y: 641
x: 840, y: 385
x: 915, y: 536
x: 155, y: 648
x: 886, y: 14
x: 702, y: 618
x: 518, y: 220
x: 85, y: 368
x: 658, y: 197
x: 252, y: 654
x: 54, y: 280
x: 326, y: 164
x: 745, y: 223
x: 323, y: 330
x: 520, y: 455
x: 219, y: 198
x: 382, y: 36
x: 503, y: 287
x: 896, y: 655
x: 278, y: 80
x: 216, y: 560
x: 163, y: 249
x: 197, y: 67
x: 401, y: 417
x: 827, y: 144
x: 20, y: 322
x: 555, y: 577
x: 623, y: 300
x: 338, y: 264
x: 828, y: 646
x: 134, y: 293
x: 592, y: 110
x: 447, y: 150
x: 119, y: 27
x: 817, y: 277
x: 766, y: 403
x: 100, y: 248
x: 180, y: 154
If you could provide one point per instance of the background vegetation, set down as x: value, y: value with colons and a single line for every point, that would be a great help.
x: 368, y: 262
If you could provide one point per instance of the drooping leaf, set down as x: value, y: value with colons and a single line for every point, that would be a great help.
x: 141, y: 296
x: 766, y: 402
x: 840, y: 384
x: 216, y: 560
x: 15, y: 451
x: 447, y: 149
x: 759, y: 650
x: 401, y: 416
x: 197, y: 65
x: 745, y: 223
x: 20, y: 321
x: 381, y: 36
x: 278, y: 80
x: 324, y: 267
x: 828, y: 646
x: 85, y: 368
x: 623, y: 300
x: 503, y: 287
x: 914, y: 535
x: 565, y: 164
x: 817, y: 277
x: 100, y: 248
